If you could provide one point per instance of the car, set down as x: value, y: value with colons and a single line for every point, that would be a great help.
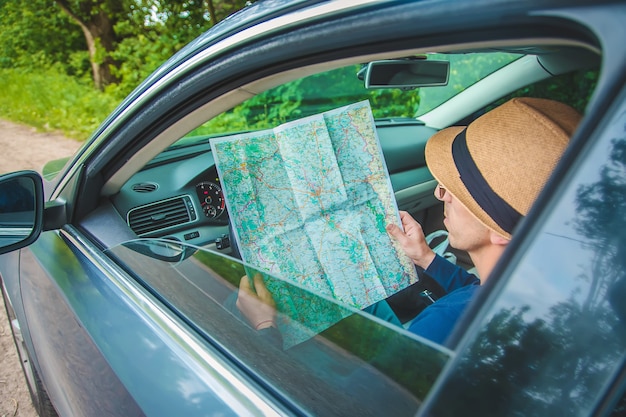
x: 121, y: 282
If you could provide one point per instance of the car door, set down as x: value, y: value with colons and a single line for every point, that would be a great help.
x: 549, y: 338
x: 552, y: 337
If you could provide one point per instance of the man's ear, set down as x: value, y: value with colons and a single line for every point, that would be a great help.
x: 497, y: 239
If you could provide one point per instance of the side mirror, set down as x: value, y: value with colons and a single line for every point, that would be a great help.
x: 21, y: 209
x: 406, y: 74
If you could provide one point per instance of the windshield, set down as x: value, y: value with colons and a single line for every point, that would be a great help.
x: 465, y: 71
x: 342, y: 86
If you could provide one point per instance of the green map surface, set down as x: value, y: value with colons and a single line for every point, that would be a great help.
x: 309, y: 201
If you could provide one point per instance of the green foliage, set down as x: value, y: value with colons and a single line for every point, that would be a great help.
x: 574, y: 88
x: 321, y: 92
x: 40, y: 38
x: 142, y: 34
x: 465, y: 70
x: 36, y: 34
x: 53, y: 101
x: 151, y: 33
x: 50, y: 83
x: 308, y: 96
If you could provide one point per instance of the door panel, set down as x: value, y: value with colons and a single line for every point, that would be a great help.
x: 77, y: 377
x: 106, y: 349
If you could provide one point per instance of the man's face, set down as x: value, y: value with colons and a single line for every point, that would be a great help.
x: 464, y: 230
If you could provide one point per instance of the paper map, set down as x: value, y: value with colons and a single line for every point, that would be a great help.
x: 309, y: 201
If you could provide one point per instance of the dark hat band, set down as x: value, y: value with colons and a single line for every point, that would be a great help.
x: 499, y: 210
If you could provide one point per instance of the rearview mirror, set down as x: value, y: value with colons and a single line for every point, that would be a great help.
x: 21, y: 209
x: 406, y: 74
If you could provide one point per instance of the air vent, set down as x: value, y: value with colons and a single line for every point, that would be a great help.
x: 144, y: 187
x: 161, y: 215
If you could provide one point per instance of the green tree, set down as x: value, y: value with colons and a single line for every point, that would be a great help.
x: 128, y: 39
x: 97, y: 21
x: 36, y: 35
x: 154, y: 31
x: 116, y: 42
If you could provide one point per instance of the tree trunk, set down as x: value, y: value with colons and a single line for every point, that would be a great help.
x: 212, y: 12
x: 100, y: 37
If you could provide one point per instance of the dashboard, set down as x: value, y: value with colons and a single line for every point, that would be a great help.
x: 179, y: 195
x: 211, y: 198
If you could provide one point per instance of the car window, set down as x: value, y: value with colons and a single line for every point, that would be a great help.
x: 574, y: 88
x: 358, y: 366
x: 561, y: 313
x: 465, y: 71
x: 619, y: 409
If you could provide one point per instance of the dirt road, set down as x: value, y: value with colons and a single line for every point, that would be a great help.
x: 22, y: 147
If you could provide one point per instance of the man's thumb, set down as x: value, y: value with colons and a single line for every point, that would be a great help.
x: 393, y: 230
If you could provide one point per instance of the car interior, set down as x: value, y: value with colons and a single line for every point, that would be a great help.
x: 171, y: 188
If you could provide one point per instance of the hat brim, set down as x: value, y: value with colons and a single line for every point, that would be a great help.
x: 441, y: 164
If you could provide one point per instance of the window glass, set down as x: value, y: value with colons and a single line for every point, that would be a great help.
x: 308, y: 96
x: 620, y: 408
x: 335, y: 88
x: 359, y: 366
x: 465, y: 70
x: 573, y: 88
x: 555, y: 338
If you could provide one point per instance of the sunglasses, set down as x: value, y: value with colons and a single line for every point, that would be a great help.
x: 440, y: 192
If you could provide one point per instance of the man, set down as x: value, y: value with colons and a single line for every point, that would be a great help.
x: 489, y: 174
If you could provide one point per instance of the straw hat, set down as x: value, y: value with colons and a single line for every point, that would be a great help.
x: 499, y: 163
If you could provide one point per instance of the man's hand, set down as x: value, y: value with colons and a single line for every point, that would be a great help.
x: 412, y: 240
x: 258, y: 307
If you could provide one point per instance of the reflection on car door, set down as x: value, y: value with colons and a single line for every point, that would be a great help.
x: 66, y: 307
x: 359, y: 366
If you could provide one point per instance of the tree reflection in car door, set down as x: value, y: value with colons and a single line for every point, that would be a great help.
x: 553, y: 354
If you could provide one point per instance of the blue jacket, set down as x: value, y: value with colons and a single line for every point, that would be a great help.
x: 437, y: 320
